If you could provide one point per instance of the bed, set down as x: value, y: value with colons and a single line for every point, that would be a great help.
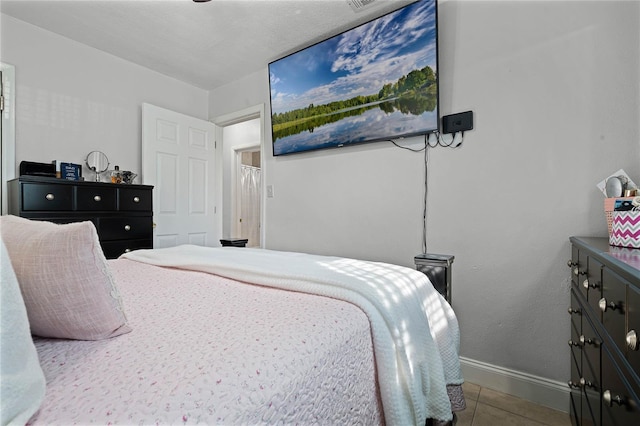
x: 237, y: 336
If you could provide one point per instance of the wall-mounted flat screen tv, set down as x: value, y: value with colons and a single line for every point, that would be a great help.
x: 374, y: 82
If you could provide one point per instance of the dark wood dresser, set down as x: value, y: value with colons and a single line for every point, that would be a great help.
x: 122, y: 214
x: 605, y: 322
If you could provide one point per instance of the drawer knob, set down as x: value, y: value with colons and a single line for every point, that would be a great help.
x: 136, y: 199
x: 577, y: 271
x: 50, y: 197
x: 573, y: 385
x: 586, y: 284
x: 573, y: 311
x: 604, y: 305
x: 586, y: 383
x: 588, y: 341
x: 632, y: 340
x: 127, y: 250
x: 571, y: 264
x: 610, y: 399
x: 127, y: 228
x: 572, y: 343
x: 97, y: 198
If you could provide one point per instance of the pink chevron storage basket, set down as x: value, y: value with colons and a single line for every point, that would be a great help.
x: 625, y: 229
x: 609, y: 206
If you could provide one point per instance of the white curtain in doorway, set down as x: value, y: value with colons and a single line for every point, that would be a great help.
x: 250, y: 184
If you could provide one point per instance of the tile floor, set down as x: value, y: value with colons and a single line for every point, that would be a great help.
x: 486, y: 407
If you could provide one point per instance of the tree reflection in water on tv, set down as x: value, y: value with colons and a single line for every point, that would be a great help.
x: 411, y: 96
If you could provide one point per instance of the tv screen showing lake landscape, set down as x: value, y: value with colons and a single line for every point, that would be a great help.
x: 377, y: 81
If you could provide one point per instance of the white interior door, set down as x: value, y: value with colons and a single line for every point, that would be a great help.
x: 178, y: 159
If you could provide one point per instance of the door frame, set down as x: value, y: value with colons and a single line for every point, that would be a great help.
x: 8, y: 133
x: 250, y: 113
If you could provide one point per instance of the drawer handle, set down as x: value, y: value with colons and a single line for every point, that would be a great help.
x: 136, y: 199
x: 609, y: 399
x: 572, y: 343
x: 589, y: 341
x: 573, y: 311
x: 573, y: 385
x: 586, y: 384
x: 97, y: 198
x: 588, y: 285
x: 604, y: 305
x: 632, y: 340
x: 50, y: 197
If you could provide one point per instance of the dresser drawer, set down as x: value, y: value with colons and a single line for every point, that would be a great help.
x: 575, y: 311
x: 591, y: 353
x: 591, y: 283
x: 113, y: 249
x: 575, y: 408
x: 579, y: 272
x: 613, y: 307
x: 124, y: 228
x: 591, y: 408
x: 133, y: 199
x: 43, y: 197
x: 573, y: 265
x: 95, y: 198
x: 632, y: 338
x: 576, y: 331
x: 619, y: 401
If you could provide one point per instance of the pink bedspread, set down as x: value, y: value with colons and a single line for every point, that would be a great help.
x: 208, y: 350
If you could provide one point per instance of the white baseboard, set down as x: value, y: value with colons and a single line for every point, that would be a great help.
x: 539, y: 390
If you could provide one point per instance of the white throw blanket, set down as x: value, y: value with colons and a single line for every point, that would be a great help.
x: 415, y: 332
x: 22, y: 384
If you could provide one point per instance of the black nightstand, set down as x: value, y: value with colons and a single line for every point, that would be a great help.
x: 234, y: 242
x: 438, y: 268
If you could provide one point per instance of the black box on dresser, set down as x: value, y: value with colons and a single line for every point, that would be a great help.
x: 121, y: 213
x: 605, y: 320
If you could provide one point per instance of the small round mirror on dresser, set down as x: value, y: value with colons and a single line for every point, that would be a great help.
x: 97, y: 162
x: 614, y: 186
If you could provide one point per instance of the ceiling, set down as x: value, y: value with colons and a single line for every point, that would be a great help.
x: 205, y: 44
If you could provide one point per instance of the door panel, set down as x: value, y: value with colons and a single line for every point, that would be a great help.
x: 197, y: 192
x: 167, y: 180
x: 178, y: 154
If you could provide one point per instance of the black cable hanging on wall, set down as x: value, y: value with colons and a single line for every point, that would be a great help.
x: 454, y: 142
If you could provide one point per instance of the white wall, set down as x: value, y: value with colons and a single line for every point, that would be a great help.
x: 72, y: 99
x: 554, y: 87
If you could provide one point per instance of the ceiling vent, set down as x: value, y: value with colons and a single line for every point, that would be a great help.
x: 360, y: 5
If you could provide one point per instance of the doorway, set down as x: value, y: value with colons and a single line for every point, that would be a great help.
x: 248, y: 194
x: 241, y: 134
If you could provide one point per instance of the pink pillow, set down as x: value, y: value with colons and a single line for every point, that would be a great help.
x: 64, y: 279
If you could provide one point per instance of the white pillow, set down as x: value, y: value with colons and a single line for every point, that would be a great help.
x: 64, y: 278
x: 22, y: 383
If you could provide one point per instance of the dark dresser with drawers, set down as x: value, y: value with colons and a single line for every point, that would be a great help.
x: 122, y: 214
x: 605, y: 322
